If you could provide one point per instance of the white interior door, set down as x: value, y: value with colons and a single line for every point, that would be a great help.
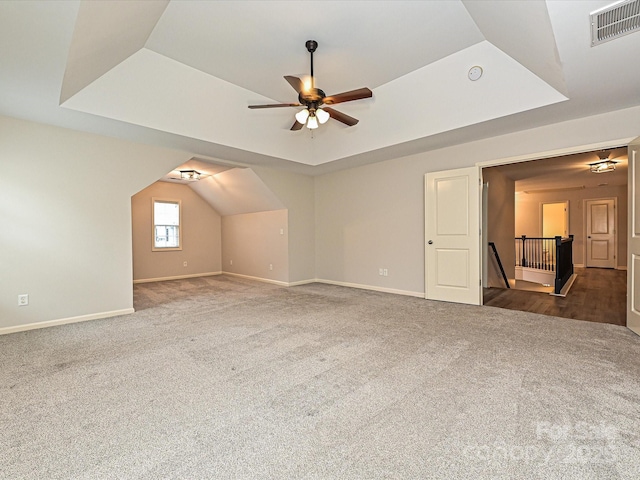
x: 452, y: 236
x: 601, y: 233
x: 633, y: 240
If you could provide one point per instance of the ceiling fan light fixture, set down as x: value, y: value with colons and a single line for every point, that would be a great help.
x: 302, y: 116
x: 312, y: 123
x: 322, y: 115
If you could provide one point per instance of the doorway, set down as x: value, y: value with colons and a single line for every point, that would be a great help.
x: 543, y: 190
x: 555, y: 219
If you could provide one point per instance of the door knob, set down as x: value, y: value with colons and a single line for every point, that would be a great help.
x: 430, y: 242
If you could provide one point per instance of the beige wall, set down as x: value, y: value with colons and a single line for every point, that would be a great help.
x: 67, y: 197
x: 528, y: 216
x: 66, y: 205
x: 500, y: 225
x: 200, y: 230
x: 373, y: 216
x: 256, y: 245
x: 297, y: 193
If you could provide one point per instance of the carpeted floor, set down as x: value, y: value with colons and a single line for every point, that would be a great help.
x: 225, y: 378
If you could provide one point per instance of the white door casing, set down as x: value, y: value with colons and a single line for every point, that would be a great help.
x: 601, y: 233
x: 452, y: 236
x: 633, y: 239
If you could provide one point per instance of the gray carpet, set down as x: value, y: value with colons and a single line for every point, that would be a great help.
x: 226, y: 378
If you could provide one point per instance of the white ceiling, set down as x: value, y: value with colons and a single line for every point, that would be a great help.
x: 568, y: 172
x: 181, y: 73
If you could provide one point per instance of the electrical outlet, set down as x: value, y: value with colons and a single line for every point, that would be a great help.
x: 380, y: 271
x: 385, y: 272
x: 271, y: 266
x: 23, y: 300
x: 230, y: 262
x: 184, y: 264
x: 282, y: 231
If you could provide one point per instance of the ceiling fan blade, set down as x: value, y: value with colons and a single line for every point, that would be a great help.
x: 295, y: 82
x: 341, y: 117
x: 297, y: 126
x: 348, y: 96
x: 274, y: 105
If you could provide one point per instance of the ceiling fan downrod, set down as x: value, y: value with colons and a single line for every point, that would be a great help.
x: 311, y: 47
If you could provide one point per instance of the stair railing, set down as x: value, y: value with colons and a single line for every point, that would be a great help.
x: 547, y: 254
x: 504, y: 275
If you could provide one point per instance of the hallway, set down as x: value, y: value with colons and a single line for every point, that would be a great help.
x: 597, y: 295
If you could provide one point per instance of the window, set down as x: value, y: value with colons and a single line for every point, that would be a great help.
x: 166, y: 225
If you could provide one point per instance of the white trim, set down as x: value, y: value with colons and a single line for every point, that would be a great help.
x: 371, y: 287
x: 578, y: 265
x: 535, y: 275
x: 64, y: 321
x: 330, y: 282
x: 303, y: 282
x: 621, y: 267
x: 176, y: 277
x: 259, y: 279
x: 557, y: 152
x: 176, y: 201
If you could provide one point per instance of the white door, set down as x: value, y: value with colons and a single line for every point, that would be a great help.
x: 633, y: 239
x: 601, y: 233
x: 452, y: 236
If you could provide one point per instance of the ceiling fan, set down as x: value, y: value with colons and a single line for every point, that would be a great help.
x: 314, y: 100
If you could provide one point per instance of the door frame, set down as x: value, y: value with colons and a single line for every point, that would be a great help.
x: 615, y: 228
x: 555, y: 153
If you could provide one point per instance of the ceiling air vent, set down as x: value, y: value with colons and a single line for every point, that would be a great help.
x: 616, y: 20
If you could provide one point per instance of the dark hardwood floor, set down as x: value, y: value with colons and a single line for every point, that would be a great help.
x: 597, y: 295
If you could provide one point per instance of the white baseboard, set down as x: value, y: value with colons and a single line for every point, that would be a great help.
x: 374, y: 288
x: 176, y: 277
x: 258, y: 279
x: 64, y: 321
x: 623, y: 267
x: 330, y: 282
x: 303, y: 282
x: 578, y: 265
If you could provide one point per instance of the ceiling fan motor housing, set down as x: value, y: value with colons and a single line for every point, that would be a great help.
x: 312, y: 98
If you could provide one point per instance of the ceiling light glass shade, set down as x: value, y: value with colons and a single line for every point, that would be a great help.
x: 302, y: 116
x: 322, y: 115
x: 603, y: 167
x: 312, y: 122
x: 190, y: 175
